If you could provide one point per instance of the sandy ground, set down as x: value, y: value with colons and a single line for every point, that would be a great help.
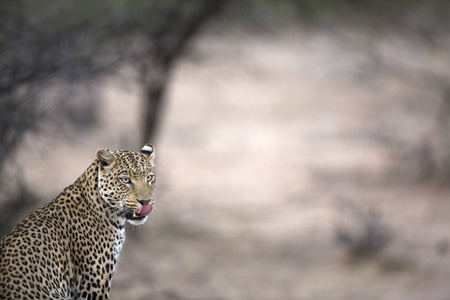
x: 269, y: 145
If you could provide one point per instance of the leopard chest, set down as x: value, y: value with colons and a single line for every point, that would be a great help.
x: 94, y: 259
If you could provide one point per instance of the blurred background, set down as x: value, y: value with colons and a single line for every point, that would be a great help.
x: 303, y: 146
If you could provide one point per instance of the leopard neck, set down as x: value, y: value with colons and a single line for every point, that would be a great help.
x: 88, y: 182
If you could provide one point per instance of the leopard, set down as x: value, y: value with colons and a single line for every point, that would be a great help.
x: 69, y: 248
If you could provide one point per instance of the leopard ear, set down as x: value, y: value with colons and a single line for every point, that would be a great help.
x: 149, y: 152
x: 105, y: 157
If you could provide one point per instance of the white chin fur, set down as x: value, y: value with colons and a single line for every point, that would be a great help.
x: 137, y: 222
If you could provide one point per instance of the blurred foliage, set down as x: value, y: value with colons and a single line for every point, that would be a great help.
x: 417, y: 16
x: 77, y: 38
x: 48, y: 42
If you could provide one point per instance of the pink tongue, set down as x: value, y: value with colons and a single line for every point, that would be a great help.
x: 145, y: 210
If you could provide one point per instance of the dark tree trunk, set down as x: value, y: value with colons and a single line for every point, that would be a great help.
x: 167, y: 44
x: 154, y: 89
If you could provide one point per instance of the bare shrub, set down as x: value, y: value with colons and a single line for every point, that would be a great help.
x: 442, y: 159
x: 367, y: 236
x: 428, y: 158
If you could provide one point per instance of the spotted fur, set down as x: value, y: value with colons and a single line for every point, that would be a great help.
x: 69, y: 248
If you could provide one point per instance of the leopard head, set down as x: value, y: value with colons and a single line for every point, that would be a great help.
x: 126, y: 182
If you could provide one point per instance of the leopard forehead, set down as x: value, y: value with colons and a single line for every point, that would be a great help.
x: 135, y: 163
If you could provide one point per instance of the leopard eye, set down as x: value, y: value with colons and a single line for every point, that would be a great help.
x: 125, y: 180
x: 150, y: 177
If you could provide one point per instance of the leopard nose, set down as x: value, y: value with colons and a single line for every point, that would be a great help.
x: 144, y: 202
